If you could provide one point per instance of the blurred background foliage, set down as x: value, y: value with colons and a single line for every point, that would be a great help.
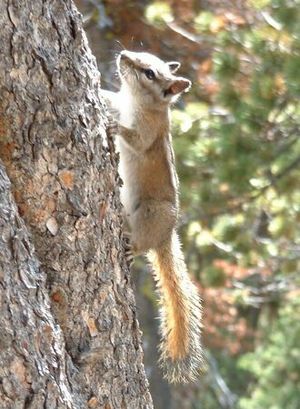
x: 236, y: 136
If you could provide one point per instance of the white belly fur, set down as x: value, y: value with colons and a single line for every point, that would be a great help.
x: 127, y: 192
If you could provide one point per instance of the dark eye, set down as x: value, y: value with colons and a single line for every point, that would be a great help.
x: 149, y: 74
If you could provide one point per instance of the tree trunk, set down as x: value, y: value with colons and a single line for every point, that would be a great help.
x: 33, y: 361
x: 62, y: 169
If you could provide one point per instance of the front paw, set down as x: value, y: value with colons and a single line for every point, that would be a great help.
x: 112, y: 127
x: 128, y: 249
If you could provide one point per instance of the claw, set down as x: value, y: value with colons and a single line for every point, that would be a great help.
x: 112, y: 127
x: 128, y: 249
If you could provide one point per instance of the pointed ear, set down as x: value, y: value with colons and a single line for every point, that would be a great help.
x: 179, y: 85
x: 174, y: 66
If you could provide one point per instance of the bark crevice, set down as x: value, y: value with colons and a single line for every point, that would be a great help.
x: 62, y: 169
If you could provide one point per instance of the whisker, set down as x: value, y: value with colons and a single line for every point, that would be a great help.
x: 120, y: 44
x: 112, y: 83
x: 126, y: 73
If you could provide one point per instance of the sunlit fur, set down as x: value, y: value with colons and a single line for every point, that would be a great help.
x: 149, y: 92
x: 180, y: 313
x: 150, y: 199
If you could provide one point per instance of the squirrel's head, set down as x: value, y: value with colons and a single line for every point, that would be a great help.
x: 150, y: 79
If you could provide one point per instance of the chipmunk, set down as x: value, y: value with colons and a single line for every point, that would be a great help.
x: 150, y: 198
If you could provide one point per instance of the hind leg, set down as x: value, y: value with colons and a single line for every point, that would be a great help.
x: 151, y: 224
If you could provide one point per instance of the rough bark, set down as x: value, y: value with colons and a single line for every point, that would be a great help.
x: 33, y: 360
x: 62, y: 168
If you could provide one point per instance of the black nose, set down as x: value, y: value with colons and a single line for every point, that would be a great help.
x: 124, y: 56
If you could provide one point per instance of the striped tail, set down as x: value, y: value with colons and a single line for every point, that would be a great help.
x: 180, y: 310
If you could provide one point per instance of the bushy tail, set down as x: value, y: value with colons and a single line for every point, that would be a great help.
x: 180, y: 348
